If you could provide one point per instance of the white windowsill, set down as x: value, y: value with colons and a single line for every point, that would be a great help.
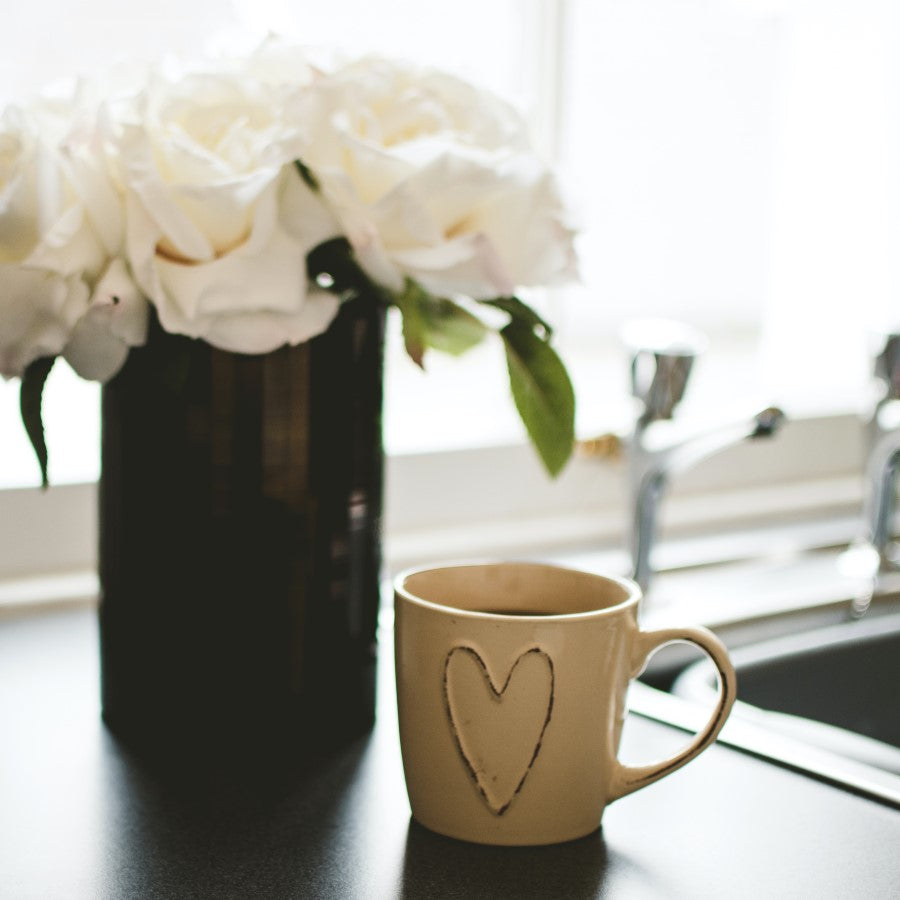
x: 496, y: 502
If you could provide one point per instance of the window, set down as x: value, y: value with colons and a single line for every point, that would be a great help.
x: 732, y: 162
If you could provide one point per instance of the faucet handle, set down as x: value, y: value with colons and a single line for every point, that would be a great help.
x: 887, y: 365
x: 662, y: 355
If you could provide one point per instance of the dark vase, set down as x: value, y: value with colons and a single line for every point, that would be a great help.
x: 240, y: 510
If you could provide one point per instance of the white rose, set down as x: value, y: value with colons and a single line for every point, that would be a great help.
x: 57, y: 234
x: 218, y: 219
x: 269, y: 59
x: 432, y: 179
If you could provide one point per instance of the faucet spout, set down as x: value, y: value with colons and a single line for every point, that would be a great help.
x: 662, y: 358
x: 687, y: 453
x: 655, y: 459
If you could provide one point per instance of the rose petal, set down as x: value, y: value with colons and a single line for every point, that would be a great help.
x: 93, y: 351
x: 224, y: 212
x: 261, y: 332
x: 68, y: 247
x: 467, y: 265
x: 126, y: 307
x: 541, y: 254
x: 141, y: 238
x: 265, y: 286
x: 39, y: 310
x: 172, y: 224
x: 101, y: 202
x: 303, y: 214
x: 116, y: 321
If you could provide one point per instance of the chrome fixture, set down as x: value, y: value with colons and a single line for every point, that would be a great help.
x: 883, y: 453
x: 662, y: 355
x: 874, y: 557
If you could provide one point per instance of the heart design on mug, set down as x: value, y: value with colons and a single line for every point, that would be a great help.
x: 498, y: 730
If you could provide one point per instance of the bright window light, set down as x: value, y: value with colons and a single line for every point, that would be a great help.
x: 733, y: 164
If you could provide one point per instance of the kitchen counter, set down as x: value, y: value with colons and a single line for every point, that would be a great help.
x: 81, y: 818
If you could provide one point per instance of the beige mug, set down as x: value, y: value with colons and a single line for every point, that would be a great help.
x: 511, y: 682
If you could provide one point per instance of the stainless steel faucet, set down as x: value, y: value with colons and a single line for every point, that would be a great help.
x: 873, y: 558
x: 662, y: 355
x: 883, y: 454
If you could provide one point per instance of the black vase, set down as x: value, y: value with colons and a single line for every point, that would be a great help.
x: 239, y: 557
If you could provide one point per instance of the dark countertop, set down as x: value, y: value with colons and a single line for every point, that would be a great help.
x: 80, y: 818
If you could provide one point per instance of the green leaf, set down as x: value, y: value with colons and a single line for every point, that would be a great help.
x: 543, y: 394
x: 446, y: 325
x: 521, y: 313
x: 436, y: 322
x: 31, y: 394
x: 409, y: 302
x: 451, y: 328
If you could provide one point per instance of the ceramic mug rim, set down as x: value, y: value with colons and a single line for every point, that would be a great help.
x: 633, y: 593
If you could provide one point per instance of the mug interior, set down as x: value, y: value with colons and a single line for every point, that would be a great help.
x: 518, y: 589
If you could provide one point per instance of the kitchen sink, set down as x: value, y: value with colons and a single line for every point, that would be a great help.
x: 828, y: 695
x: 817, y: 690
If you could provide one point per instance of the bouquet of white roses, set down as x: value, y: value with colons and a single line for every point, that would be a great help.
x: 244, y: 198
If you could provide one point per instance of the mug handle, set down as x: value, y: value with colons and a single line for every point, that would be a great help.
x: 631, y: 778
